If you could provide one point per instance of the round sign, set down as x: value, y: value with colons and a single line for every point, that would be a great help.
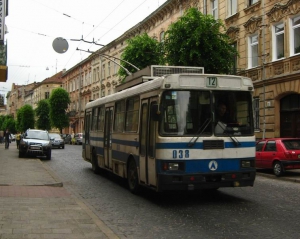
x: 60, y: 45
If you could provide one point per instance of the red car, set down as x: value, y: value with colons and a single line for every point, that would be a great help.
x: 279, y: 154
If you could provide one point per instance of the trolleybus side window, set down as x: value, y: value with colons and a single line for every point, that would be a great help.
x: 100, y: 120
x: 132, y: 114
x: 119, y: 116
x: 94, y: 119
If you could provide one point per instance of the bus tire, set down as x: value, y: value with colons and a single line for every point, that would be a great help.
x: 95, y: 167
x: 132, y: 177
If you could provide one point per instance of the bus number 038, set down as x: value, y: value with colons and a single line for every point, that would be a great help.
x: 181, y: 154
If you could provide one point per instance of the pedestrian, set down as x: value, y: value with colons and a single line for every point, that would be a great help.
x: 18, y: 139
x: 7, y: 137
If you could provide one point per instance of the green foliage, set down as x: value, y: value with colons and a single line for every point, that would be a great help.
x: 141, y: 51
x: 195, y: 40
x: 7, y: 122
x: 25, y: 118
x: 42, y: 113
x: 59, y: 101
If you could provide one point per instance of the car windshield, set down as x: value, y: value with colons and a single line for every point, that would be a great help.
x: 292, y: 144
x: 56, y: 136
x: 37, y: 135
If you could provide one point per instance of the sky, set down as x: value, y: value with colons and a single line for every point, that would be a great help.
x: 33, y: 25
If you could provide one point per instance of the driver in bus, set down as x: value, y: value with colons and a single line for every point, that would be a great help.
x: 222, y: 114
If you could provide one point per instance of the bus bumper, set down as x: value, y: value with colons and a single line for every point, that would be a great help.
x: 167, y: 182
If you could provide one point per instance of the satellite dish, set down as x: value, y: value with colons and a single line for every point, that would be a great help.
x: 60, y: 45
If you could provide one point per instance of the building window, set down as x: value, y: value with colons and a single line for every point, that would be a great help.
x: 162, y: 36
x: 251, y: 2
x: 108, y: 69
x: 232, y: 7
x: 98, y: 76
x: 47, y: 95
x: 256, y: 114
x: 234, y: 66
x: 253, y: 51
x: 278, y: 49
x: 103, y: 71
x: 115, y: 67
x: 214, y: 9
x: 295, y: 38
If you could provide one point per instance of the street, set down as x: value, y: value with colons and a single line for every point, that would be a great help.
x: 268, y: 210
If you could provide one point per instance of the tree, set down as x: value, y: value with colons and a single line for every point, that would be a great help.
x: 140, y: 51
x: 7, y: 122
x: 42, y: 113
x: 59, y: 101
x: 195, y: 40
x: 25, y: 118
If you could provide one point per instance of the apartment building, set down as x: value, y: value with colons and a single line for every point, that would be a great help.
x: 31, y: 94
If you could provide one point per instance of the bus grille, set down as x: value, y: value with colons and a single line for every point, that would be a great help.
x: 213, y: 144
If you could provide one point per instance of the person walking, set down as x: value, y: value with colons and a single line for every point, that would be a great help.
x: 18, y: 139
x: 7, y: 137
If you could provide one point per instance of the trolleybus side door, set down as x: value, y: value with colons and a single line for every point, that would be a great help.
x: 86, y: 142
x: 108, y: 137
x: 147, y: 144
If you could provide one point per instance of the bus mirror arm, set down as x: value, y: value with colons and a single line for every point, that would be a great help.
x: 156, y: 112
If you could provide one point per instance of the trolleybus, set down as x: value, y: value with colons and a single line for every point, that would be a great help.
x: 166, y: 133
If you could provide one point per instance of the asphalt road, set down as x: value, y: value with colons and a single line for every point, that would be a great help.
x: 270, y: 209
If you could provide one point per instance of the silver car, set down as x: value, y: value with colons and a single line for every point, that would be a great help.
x: 57, y: 141
x: 35, y: 142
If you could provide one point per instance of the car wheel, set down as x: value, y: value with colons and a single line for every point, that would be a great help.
x: 132, y: 177
x: 63, y: 147
x: 96, y: 169
x: 278, y: 169
x: 48, y: 156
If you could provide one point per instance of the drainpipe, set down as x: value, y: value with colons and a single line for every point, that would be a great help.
x: 263, y: 68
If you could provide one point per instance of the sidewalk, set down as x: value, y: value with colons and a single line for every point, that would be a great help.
x: 34, y: 203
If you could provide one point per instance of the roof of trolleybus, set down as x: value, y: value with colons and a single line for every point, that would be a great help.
x: 180, y: 82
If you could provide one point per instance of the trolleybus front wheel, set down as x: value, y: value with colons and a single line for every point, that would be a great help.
x: 132, y: 177
x: 96, y: 169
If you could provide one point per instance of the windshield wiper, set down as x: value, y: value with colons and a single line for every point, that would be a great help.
x: 199, y: 132
x: 234, y: 140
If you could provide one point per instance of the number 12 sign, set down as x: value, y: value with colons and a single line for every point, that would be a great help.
x: 211, y: 81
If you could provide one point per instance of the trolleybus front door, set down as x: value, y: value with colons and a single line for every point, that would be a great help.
x: 107, y: 137
x: 147, y: 144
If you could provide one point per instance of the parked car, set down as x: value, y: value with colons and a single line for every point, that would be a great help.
x: 279, y: 154
x: 13, y: 138
x: 78, y: 138
x: 35, y: 142
x: 57, y: 141
x: 67, y: 138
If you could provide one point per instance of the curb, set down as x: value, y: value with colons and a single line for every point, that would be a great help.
x: 294, y: 180
x: 53, y: 175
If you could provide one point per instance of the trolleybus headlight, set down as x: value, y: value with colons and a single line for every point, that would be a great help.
x: 173, y: 166
x: 170, y: 166
x: 246, y: 164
